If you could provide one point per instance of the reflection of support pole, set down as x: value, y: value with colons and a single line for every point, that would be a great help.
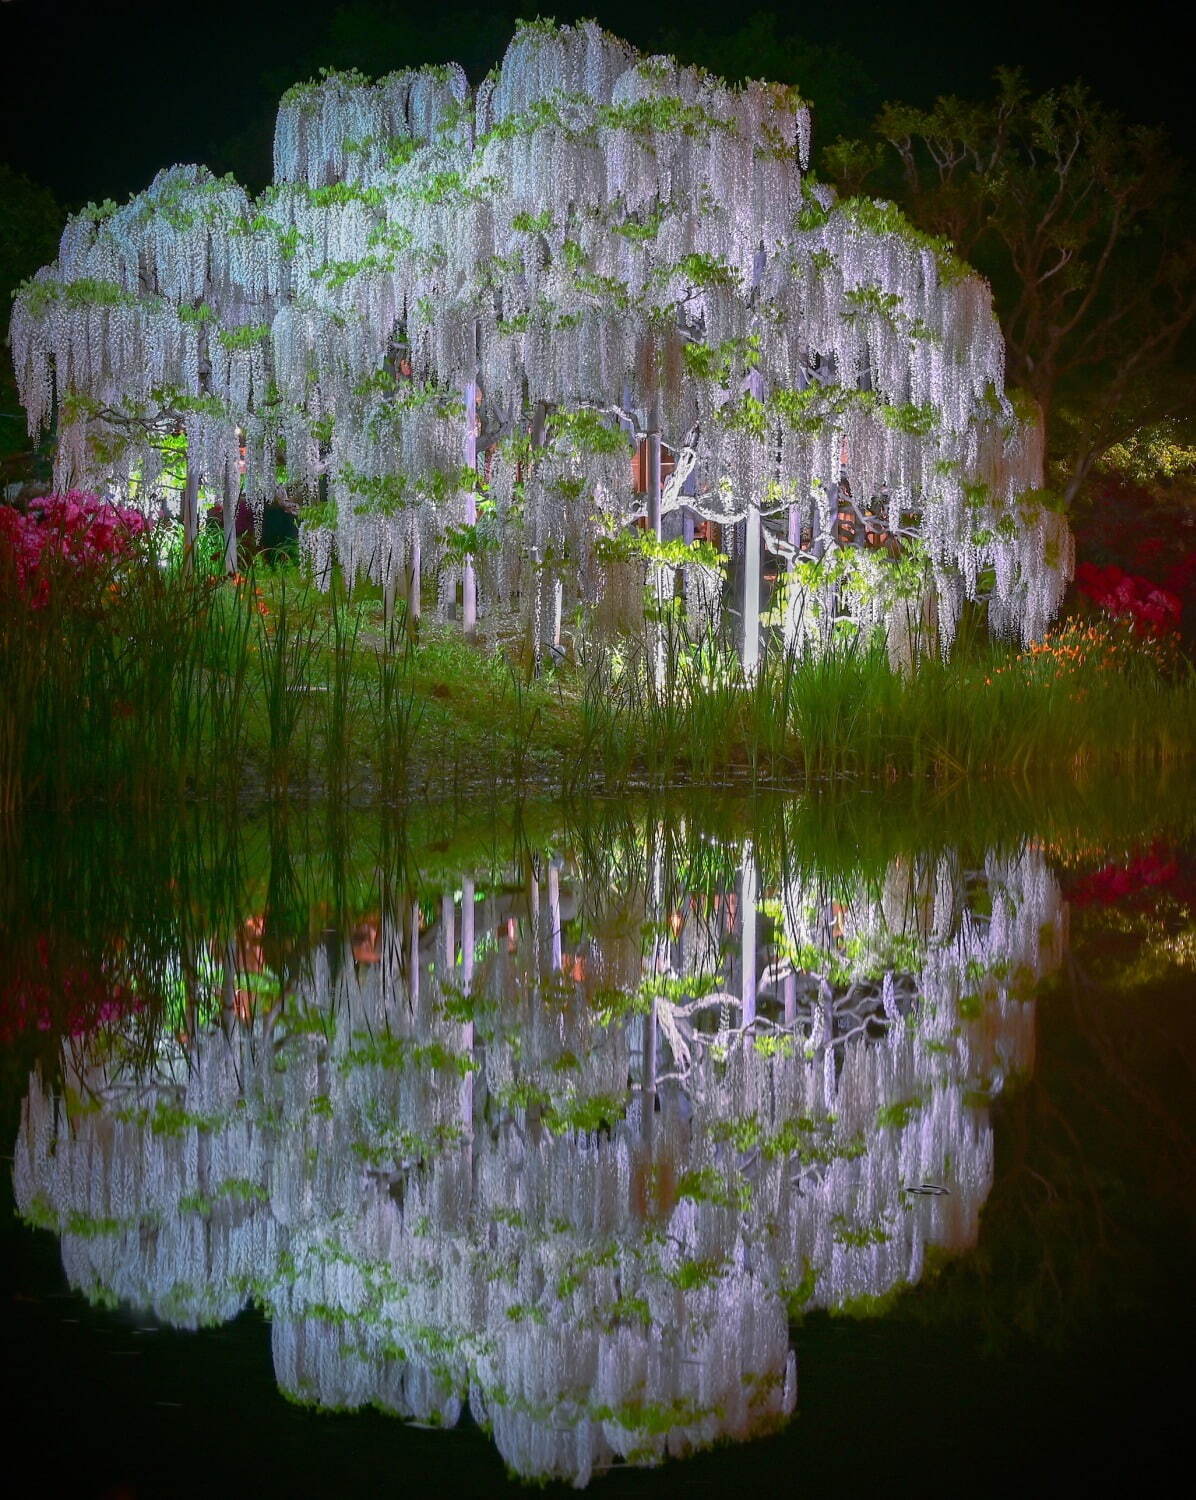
x: 747, y: 921
x: 829, y: 1079
x: 467, y: 935
x: 448, y: 933
x: 413, y: 973
x: 467, y: 942
x: 648, y: 1078
x: 229, y: 986
x: 469, y: 579
x: 554, y: 914
x: 533, y: 912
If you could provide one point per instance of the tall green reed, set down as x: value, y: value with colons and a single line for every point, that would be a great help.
x: 1081, y: 699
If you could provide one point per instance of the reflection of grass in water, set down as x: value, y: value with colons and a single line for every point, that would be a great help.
x: 144, y: 892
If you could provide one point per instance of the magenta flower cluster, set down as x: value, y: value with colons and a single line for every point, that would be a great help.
x: 1154, y: 610
x: 77, y: 531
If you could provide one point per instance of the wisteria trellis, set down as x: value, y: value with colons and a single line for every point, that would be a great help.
x: 459, y: 313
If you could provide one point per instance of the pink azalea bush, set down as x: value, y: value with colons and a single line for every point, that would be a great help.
x: 77, y: 532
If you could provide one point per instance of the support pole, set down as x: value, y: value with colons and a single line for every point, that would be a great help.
x: 414, y: 564
x: 190, y: 506
x: 469, y: 578
x: 448, y: 933
x: 232, y: 496
x: 554, y: 915
x: 655, y: 525
x: 751, y: 553
x: 558, y: 602
x: 751, y: 591
x: 534, y: 588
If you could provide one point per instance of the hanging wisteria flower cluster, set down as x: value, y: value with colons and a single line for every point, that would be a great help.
x: 459, y: 314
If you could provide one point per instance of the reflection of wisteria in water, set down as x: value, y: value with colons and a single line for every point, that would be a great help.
x: 567, y: 1148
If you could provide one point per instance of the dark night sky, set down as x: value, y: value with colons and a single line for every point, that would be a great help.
x: 96, y: 95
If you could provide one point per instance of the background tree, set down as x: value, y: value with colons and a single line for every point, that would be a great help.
x: 30, y: 222
x: 1081, y: 222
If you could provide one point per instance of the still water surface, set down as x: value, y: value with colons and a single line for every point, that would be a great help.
x: 589, y: 1141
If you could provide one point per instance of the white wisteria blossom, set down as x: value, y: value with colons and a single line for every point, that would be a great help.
x: 485, y: 331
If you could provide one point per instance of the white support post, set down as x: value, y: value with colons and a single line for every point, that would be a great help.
x: 558, y: 602
x: 656, y: 527
x: 751, y: 591
x: 469, y: 577
x: 414, y: 565
x: 190, y: 506
x: 232, y: 496
x: 750, y: 657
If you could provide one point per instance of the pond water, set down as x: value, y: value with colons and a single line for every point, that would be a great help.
x: 847, y: 1138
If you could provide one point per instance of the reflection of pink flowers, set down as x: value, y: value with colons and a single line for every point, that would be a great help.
x: 42, y: 994
x: 1154, y: 610
x: 77, y: 530
x: 1115, y: 883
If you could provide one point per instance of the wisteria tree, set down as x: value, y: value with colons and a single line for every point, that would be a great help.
x: 528, y: 338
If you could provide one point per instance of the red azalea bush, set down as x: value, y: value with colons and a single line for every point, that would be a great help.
x: 1135, y: 542
x: 77, y: 532
x: 1129, y: 881
x: 1153, y: 609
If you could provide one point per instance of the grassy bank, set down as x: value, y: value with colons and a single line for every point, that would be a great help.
x: 152, y: 685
